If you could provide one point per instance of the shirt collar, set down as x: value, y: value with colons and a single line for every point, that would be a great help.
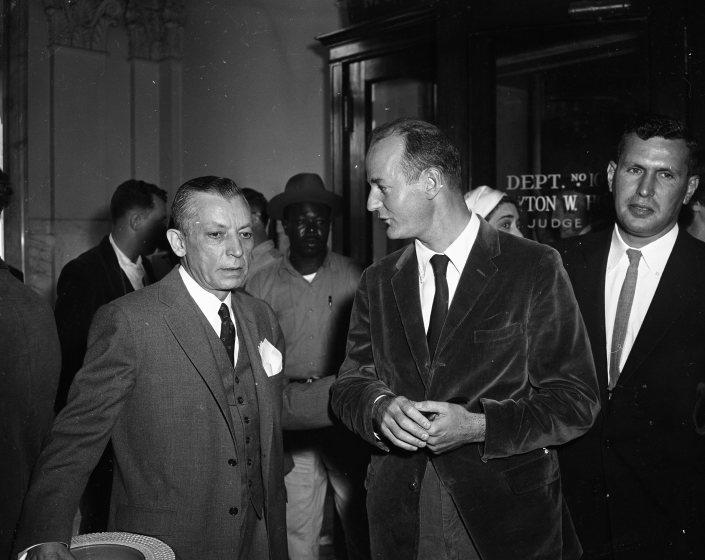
x: 457, y: 252
x: 654, y: 255
x: 123, y: 259
x: 206, y: 301
x: 290, y: 267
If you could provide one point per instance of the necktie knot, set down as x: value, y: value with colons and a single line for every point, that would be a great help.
x: 440, y: 265
x: 224, y: 312
x: 633, y: 256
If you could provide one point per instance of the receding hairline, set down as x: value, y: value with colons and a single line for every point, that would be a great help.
x: 190, y: 210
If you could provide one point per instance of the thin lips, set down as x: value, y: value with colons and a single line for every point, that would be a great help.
x: 641, y: 207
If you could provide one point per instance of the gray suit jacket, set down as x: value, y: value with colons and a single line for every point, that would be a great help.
x: 152, y: 383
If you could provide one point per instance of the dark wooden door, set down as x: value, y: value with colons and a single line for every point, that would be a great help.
x: 382, y: 89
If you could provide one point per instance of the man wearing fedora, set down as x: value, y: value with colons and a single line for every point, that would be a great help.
x: 311, y: 291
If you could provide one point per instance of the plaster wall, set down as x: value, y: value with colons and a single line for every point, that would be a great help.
x: 255, y: 86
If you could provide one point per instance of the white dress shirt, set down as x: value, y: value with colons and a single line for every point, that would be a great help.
x: 134, y: 270
x: 653, y: 260
x: 458, y: 253
x: 209, y: 305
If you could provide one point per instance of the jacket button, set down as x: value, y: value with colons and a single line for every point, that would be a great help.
x: 232, y: 462
x: 237, y: 379
x: 608, y: 443
x: 249, y: 462
x: 232, y: 511
x: 413, y: 485
x: 246, y: 419
x: 247, y: 439
x: 240, y: 400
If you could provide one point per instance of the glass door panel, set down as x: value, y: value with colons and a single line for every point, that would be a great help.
x: 562, y: 98
x: 389, y: 100
x: 382, y: 89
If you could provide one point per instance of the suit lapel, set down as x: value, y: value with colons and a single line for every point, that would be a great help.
x: 117, y: 279
x: 474, y: 279
x: 592, y: 287
x: 181, y: 316
x: 405, y: 285
x: 670, y: 299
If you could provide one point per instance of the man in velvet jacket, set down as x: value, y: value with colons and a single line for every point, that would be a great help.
x: 195, y: 416
x: 635, y: 483
x: 466, y: 467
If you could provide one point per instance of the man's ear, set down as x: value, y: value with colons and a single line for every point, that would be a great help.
x: 611, y: 167
x: 432, y: 182
x: 693, y: 182
x: 177, y: 242
x: 136, y: 218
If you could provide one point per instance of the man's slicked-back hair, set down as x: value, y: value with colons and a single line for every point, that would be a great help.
x: 647, y: 126
x: 257, y: 202
x: 134, y: 194
x: 182, y: 211
x: 425, y: 145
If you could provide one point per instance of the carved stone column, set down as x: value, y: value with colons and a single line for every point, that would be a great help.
x: 155, y: 28
x: 82, y: 23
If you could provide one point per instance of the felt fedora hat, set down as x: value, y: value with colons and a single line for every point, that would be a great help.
x: 304, y: 187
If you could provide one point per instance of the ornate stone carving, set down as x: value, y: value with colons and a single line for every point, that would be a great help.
x: 82, y: 23
x: 155, y: 28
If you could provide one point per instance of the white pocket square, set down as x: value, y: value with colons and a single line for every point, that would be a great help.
x: 271, y: 358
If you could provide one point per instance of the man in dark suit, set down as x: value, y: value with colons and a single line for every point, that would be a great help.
x: 635, y: 483
x: 467, y: 361
x: 115, y: 267
x: 185, y: 376
x: 29, y: 373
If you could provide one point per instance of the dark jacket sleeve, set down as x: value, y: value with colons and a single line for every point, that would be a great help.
x: 563, y: 401
x: 357, y: 386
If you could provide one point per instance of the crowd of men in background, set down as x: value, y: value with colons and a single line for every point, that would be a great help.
x: 474, y: 395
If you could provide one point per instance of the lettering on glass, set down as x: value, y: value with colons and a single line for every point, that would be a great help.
x: 559, y: 204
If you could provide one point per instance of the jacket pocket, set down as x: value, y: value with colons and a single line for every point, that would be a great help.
x: 495, y: 335
x: 537, y: 473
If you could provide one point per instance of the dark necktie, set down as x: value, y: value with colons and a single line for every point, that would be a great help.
x: 439, y: 310
x: 621, y: 317
x: 227, y: 331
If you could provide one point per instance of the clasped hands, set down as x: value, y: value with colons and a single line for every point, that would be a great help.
x: 437, y: 426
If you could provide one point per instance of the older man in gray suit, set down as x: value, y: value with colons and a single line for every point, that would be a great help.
x: 184, y: 375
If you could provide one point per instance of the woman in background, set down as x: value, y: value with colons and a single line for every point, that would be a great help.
x: 495, y: 207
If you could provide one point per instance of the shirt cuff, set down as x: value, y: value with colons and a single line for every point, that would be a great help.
x: 374, y: 411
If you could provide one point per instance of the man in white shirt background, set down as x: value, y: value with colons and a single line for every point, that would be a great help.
x: 635, y: 484
x: 115, y: 267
